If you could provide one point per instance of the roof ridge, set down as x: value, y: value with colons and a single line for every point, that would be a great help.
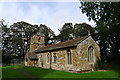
x: 64, y: 41
x: 64, y: 44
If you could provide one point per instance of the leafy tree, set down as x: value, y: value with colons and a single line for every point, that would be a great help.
x: 106, y: 15
x: 21, y: 33
x: 82, y: 30
x: 48, y: 33
x: 101, y: 36
x: 66, y: 32
x: 16, y: 38
x: 5, y: 45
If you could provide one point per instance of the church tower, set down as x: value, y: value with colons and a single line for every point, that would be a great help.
x: 37, y: 41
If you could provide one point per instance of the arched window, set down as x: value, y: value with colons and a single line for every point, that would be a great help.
x: 69, y: 56
x: 90, y: 54
x: 55, y: 57
x: 41, y: 61
x: 41, y: 58
x: 48, y: 58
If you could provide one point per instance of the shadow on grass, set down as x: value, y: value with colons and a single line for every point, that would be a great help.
x: 37, y: 71
x: 118, y: 71
x: 22, y: 72
x: 9, y: 72
x: 112, y: 67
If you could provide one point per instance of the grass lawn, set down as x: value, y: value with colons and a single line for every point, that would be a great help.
x: 10, y: 72
x: 46, y: 73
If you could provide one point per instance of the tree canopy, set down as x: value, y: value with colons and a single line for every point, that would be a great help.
x: 66, y: 32
x: 16, y: 38
x: 70, y: 31
x: 107, y: 18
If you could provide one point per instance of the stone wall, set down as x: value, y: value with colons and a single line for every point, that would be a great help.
x: 29, y: 61
x: 79, y: 57
x: 82, y: 52
x: 36, y: 41
x: 62, y: 59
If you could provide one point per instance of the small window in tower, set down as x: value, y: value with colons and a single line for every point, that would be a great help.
x: 39, y: 39
x: 37, y: 46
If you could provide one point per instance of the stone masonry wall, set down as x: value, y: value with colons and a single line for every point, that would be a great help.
x: 30, y: 62
x: 82, y: 52
x: 79, y: 57
x: 36, y: 41
x: 62, y: 60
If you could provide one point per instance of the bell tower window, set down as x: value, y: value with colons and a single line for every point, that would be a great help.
x: 39, y: 39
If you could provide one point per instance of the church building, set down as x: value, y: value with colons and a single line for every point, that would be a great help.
x: 76, y: 55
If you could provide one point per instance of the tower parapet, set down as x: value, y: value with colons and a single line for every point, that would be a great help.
x: 37, y: 41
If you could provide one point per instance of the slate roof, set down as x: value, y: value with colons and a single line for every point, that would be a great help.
x: 32, y: 55
x: 66, y: 44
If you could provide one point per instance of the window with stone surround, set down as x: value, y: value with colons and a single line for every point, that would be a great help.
x: 41, y: 58
x: 69, y: 56
x: 41, y: 61
x: 90, y: 54
x: 48, y: 58
x: 55, y: 57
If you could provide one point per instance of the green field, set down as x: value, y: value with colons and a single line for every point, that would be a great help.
x: 13, y: 72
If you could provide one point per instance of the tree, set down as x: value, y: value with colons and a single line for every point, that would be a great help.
x: 20, y: 34
x: 69, y: 31
x: 66, y: 32
x: 82, y: 30
x: 5, y: 45
x: 16, y: 38
x: 48, y: 33
x: 107, y: 18
x: 101, y: 36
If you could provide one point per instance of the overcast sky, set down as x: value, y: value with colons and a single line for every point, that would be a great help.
x: 52, y: 14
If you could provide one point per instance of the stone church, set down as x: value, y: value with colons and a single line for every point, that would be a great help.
x: 76, y: 55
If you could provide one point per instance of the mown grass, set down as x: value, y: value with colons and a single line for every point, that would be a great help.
x: 10, y: 72
x: 46, y: 73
